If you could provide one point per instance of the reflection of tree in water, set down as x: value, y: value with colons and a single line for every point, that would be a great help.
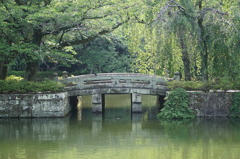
x: 179, y: 130
x: 150, y: 113
x: 27, y: 138
x: 186, y: 139
x: 216, y: 129
x: 205, y: 137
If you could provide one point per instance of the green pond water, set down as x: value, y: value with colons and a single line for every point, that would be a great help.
x: 119, y: 135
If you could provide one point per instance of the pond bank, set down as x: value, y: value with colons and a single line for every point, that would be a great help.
x: 57, y: 104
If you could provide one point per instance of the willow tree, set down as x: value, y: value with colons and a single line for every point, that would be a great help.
x: 193, y: 20
x: 41, y: 28
x: 224, y: 38
x: 197, y: 30
x: 157, y: 42
x: 180, y: 24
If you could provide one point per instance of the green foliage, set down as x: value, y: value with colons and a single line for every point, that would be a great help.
x: 47, y: 31
x: 14, y: 78
x: 20, y: 87
x: 187, y: 85
x: 41, y: 75
x: 158, y: 33
x: 16, y: 73
x: 235, y: 108
x: 46, y: 75
x: 208, y: 33
x: 104, y: 55
x: 176, y: 106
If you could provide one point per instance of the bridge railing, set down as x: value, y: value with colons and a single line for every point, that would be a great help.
x: 115, y: 80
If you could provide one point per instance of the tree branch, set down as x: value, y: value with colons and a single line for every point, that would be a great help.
x: 69, y: 27
x: 92, y: 37
x: 177, y: 5
x: 161, y: 12
x: 171, y: 4
x: 8, y: 10
x: 205, y: 10
x: 59, y: 30
x: 61, y: 37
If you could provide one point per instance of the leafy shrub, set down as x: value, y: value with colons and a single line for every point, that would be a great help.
x: 176, y: 106
x: 14, y: 78
x: 41, y: 75
x: 235, y: 108
x: 187, y: 85
x: 13, y: 86
x: 16, y: 73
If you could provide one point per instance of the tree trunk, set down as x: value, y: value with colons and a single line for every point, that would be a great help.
x: 204, y: 50
x: 3, y: 70
x: 185, y: 57
x: 31, y: 70
x: 32, y: 67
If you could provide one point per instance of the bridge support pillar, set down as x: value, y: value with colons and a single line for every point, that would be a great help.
x: 136, y: 103
x: 97, y: 103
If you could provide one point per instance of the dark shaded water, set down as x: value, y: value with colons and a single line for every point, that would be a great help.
x: 118, y: 135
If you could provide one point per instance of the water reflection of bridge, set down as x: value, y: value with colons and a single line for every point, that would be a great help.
x: 115, y: 83
x: 63, y: 138
x: 59, y: 129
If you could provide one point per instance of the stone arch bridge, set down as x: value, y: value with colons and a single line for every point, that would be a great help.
x: 100, y: 84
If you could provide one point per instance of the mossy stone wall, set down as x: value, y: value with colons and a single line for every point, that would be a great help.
x: 210, y: 104
x: 34, y: 105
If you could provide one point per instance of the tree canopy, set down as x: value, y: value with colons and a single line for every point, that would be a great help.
x: 197, y: 38
x: 200, y: 39
x: 37, y: 29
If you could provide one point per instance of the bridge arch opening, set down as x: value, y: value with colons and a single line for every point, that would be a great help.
x: 151, y: 105
x: 81, y: 107
x: 116, y: 106
x: 161, y: 100
x: 73, y: 102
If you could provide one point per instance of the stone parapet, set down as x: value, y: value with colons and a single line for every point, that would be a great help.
x: 34, y: 105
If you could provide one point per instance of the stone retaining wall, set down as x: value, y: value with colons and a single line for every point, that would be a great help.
x: 57, y: 105
x: 211, y: 104
x: 34, y: 105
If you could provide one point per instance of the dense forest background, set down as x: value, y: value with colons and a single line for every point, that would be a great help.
x: 198, y: 38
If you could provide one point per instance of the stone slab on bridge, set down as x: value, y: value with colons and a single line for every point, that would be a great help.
x: 115, y: 83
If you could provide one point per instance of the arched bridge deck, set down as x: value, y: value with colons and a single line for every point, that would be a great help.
x: 116, y: 83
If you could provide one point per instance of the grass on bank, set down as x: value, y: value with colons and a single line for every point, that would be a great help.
x: 204, y: 86
x: 16, y: 85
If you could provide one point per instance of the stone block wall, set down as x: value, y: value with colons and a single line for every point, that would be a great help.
x: 57, y: 105
x: 211, y: 104
x: 34, y: 105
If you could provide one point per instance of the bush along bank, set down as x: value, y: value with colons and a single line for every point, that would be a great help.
x: 177, y: 106
x: 204, y: 86
x: 22, y: 87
